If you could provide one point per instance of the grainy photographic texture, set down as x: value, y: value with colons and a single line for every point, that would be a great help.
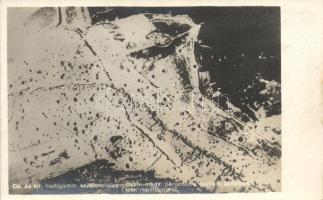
x: 144, y: 100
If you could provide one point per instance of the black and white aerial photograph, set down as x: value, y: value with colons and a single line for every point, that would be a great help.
x: 144, y: 100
